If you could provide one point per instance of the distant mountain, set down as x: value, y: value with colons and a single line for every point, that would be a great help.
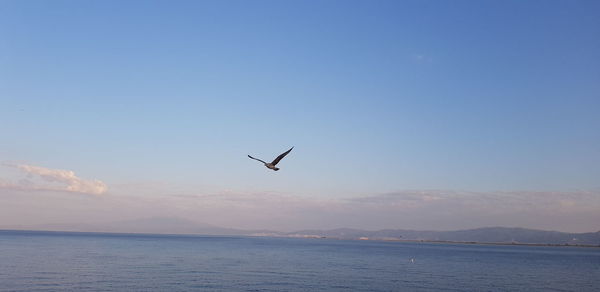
x: 155, y: 225
x: 482, y: 235
x: 166, y: 225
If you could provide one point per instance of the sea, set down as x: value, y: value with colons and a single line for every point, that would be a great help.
x: 63, y: 261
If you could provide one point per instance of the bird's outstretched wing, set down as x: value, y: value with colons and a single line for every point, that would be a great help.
x: 257, y: 159
x: 281, y: 156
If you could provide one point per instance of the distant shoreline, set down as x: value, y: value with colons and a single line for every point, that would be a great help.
x: 56, y: 232
x: 496, y: 243
x: 439, y: 241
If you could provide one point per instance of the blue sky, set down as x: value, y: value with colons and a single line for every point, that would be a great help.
x: 376, y: 96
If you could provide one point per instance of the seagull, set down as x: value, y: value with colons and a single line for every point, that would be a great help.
x: 272, y: 164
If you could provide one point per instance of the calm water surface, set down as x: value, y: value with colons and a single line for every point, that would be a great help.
x: 37, y: 261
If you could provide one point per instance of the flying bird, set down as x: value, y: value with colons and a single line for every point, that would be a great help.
x: 272, y: 164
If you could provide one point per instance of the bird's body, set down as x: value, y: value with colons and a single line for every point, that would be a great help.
x: 271, y: 165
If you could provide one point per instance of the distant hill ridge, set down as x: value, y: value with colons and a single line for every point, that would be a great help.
x: 169, y: 225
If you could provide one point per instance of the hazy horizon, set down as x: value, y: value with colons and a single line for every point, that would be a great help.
x: 574, y: 211
x: 425, y: 115
x: 177, y: 225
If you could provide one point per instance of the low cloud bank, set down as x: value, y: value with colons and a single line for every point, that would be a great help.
x: 576, y: 211
x: 569, y: 211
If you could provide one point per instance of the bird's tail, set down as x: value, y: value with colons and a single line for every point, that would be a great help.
x: 276, y: 168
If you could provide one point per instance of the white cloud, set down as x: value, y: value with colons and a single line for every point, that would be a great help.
x: 55, y: 180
